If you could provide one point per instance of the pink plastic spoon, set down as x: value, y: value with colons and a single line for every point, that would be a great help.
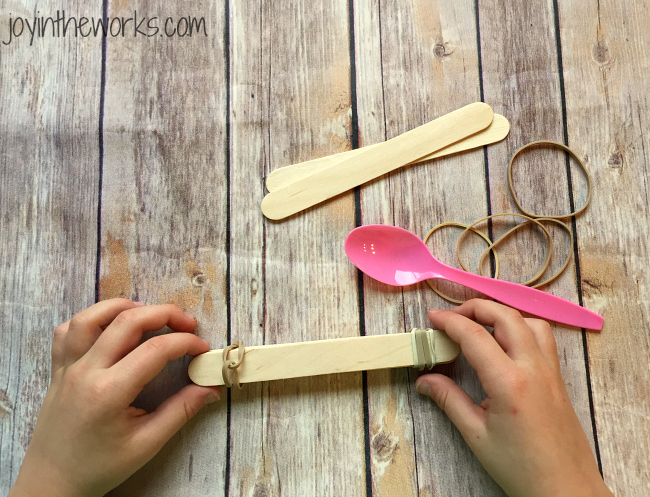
x: 397, y: 257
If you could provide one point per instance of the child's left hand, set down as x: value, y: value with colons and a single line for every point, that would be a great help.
x: 88, y: 438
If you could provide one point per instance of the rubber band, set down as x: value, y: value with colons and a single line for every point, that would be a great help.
x: 229, y: 368
x: 559, y: 271
x: 549, y: 241
x: 460, y: 225
x: 531, y: 218
x: 572, y: 154
x: 423, y: 348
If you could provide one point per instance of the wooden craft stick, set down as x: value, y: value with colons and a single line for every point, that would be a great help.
x: 283, y: 176
x: 341, y: 355
x: 372, y: 162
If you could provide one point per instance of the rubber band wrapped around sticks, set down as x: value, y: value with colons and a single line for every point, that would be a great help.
x: 229, y: 368
x: 423, y: 345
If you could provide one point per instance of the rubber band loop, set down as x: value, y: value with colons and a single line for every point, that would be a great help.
x: 559, y: 271
x: 530, y: 219
x: 464, y: 226
x: 229, y: 368
x: 573, y: 155
x: 549, y: 241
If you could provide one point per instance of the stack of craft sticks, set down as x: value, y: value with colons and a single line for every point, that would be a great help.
x: 420, y: 349
x: 297, y: 187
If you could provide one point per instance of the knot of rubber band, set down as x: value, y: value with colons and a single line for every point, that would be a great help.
x: 229, y: 368
x: 424, y: 353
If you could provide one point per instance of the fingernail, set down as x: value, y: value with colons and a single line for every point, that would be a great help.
x: 212, y: 397
x: 140, y: 304
x: 423, y: 388
x: 190, y: 316
x: 433, y: 311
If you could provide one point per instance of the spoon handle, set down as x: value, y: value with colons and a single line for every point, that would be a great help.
x: 526, y: 299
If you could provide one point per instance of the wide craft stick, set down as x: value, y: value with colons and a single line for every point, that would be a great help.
x: 341, y: 355
x: 283, y: 176
x: 372, y: 162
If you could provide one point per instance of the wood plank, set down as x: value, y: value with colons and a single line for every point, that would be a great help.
x: 605, y: 69
x: 164, y: 215
x: 520, y: 75
x: 49, y: 96
x: 415, y: 61
x: 291, y: 281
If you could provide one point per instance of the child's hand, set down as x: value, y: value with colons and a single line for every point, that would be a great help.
x: 525, y: 432
x: 88, y: 438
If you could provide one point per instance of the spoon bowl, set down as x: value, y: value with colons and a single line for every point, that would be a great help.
x: 391, y: 255
x: 397, y: 257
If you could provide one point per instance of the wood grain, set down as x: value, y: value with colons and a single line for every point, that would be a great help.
x: 434, y: 43
x: 49, y: 176
x: 279, y: 178
x: 520, y: 71
x: 179, y: 192
x: 608, y: 111
x: 164, y: 213
x: 291, y: 281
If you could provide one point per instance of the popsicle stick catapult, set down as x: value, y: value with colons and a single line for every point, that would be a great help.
x: 237, y: 365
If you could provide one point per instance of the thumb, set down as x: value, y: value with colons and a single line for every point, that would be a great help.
x: 454, y: 401
x: 174, y: 412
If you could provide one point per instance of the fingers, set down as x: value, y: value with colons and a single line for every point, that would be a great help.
x: 58, y: 346
x: 142, y: 365
x: 545, y: 340
x: 171, y: 415
x: 86, y: 326
x: 125, y: 332
x: 481, y: 350
x: 455, y: 402
x: 510, y: 329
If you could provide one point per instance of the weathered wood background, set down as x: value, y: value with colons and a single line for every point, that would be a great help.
x: 135, y: 167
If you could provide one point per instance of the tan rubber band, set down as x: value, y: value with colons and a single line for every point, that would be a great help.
x: 559, y: 271
x: 423, y: 348
x: 229, y: 368
x: 572, y: 154
x: 549, y: 241
x: 464, y: 226
x: 530, y: 219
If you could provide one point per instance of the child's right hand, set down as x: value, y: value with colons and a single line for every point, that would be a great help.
x: 525, y: 433
x: 88, y: 437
